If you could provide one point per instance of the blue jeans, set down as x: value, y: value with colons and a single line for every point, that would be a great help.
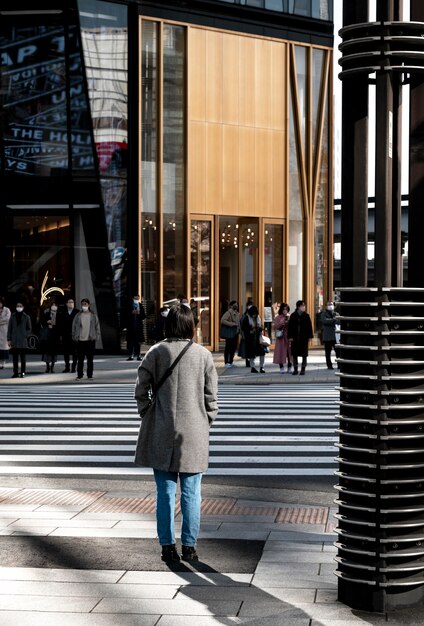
x: 166, y: 486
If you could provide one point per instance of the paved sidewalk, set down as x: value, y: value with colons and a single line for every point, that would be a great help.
x: 116, y: 369
x: 292, y: 584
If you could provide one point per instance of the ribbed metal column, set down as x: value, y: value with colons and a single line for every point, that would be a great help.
x: 381, y: 451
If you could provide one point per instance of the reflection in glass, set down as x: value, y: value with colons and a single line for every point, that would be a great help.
x: 295, y: 255
x: 248, y: 241
x: 173, y: 161
x: 37, y: 245
x: 201, y: 267
x: 302, y: 95
x: 321, y: 218
x: 228, y: 261
x: 317, y: 71
x: 273, y: 266
x: 149, y: 155
x: 104, y: 33
x: 34, y: 97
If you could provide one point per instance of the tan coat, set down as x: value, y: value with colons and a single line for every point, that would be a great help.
x: 185, y: 407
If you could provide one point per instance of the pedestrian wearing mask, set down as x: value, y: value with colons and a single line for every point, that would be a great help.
x: 174, y: 432
x: 66, y: 319
x: 18, y: 331
x: 300, y: 332
x: 4, y: 323
x: 328, y: 321
x: 85, y: 332
x: 135, y: 334
x: 230, y: 328
x: 252, y: 331
x: 282, y: 353
x: 49, y: 337
x: 158, y: 330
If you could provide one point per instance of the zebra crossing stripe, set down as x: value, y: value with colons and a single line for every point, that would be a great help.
x: 260, y: 430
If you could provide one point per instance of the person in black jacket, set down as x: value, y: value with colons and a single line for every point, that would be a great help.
x: 135, y: 334
x: 66, y: 319
x: 300, y: 332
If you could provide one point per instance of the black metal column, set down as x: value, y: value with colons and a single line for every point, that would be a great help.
x: 380, y: 561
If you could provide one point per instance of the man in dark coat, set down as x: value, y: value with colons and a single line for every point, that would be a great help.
x: 328, y: 320
x: 17, y: 335
x: 66, y: 320
x: 135, y: 334
x: 299, y: 333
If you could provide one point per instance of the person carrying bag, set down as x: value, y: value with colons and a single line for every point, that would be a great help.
x: 230, y: 329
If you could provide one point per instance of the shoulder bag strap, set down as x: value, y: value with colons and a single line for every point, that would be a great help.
x: 171, y: 367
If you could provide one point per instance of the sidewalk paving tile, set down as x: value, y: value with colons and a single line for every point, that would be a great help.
x: 284, y: 569
x: 189, y: 620
x: 178, y: 606
x: 53, y: 521
x: 290, y: 582
x: 300, y: 536
x: 292, y: 556
x: 187, y: 578
x: 46, y: 603
x: 250, y: 592
x: 113, y: 533
x: 34, y: 531
x: 39, y: 515
x: 87, y: 589
x: 316, y: 546
x: 12, y: 618
x: 61, y: 575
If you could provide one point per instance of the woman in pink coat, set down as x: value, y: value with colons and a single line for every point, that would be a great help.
x: 282, y: 344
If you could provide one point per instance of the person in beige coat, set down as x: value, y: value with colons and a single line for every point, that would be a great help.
x: 176, y: 443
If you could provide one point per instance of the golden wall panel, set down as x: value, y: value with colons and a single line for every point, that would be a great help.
x: 246, y: 81
x: 231, y: 169
x: 230, y: 79
x: 196, y: 74
x: 263, y: 171
x: 213, y: 76
x: 246, y: 183
x: 196, y: 192
x: 240, y: 169
x: 263, y: 83
x: 279, y: 81
x: 213, y: 173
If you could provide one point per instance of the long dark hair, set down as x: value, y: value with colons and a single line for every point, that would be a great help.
x: 179, y: 323
x: 283, y: 306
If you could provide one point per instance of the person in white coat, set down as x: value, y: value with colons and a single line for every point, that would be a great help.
x: 4, y: 323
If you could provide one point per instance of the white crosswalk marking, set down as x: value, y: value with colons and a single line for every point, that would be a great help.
x: 91, y: 430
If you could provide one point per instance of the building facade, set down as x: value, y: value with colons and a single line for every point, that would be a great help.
x: 166, y: 148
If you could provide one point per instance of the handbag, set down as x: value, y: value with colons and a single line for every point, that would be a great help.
x: 228, y: 332
x: 278, y: 333
x: 147, y: 422
x: 264, y: 340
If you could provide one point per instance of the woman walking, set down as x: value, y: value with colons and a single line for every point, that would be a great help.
x: 282, y: 352
x: 174, y: 432
x: 4, y: 323
x: 252, y: 331
x: 230, y: 328
x: 18, y: 332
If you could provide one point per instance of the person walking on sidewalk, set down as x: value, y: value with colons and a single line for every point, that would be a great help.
x: 174, y: 437
x: 85, y: 332
x: 135, y: 334
x: 66, y: 319
x: 300, y: 332
x: 230, y: 328
x: 252, y: 332
x: 282, y: 352
x: 328, y: 321
x: 18, y: 331
x: 49, y: 337
x: 4, y: 323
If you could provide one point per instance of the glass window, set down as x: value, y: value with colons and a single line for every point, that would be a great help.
x: 149, y: 155
x: 228, y: 261
x: 104, y: 34
x: 201, y: 288
x: 273, y: 268
x: 35, y: 138
x: 317, y: 71
x: 321, y: 218
x: 295, y: 252
x: 173, y: 161
x: 248, y: 241
x: 38, y: 252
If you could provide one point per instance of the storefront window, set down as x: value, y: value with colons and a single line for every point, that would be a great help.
x: 249, y: 261
x: 321, y: 219
x: 173, y: 190
x: 273, y: 268
x: 104, y: 34
x: 149, y: 155
x: 201, y: 267
x: 295, y: 255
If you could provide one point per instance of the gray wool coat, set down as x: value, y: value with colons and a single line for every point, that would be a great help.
x: 185, y: 407
x: 19, y: 333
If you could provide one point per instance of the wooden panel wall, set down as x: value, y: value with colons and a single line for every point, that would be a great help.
x: 237, y: 124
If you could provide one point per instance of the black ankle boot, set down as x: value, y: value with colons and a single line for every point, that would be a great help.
x: 47, y: 368
x: 169, y: 553
x: 189, y: 553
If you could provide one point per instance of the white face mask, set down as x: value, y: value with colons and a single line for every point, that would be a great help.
x: 54, y: 309
x: 136, y: 301
x: 164, y: 313
x: 84, y: 308
x: 19, y: 309
x: 330, y: 307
